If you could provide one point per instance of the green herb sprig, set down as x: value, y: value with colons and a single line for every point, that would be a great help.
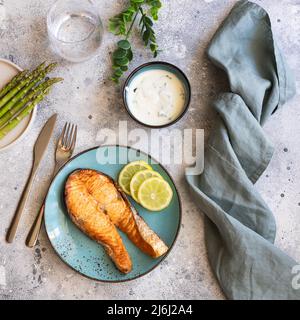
x: 148, y: 33
x: 123, y: 23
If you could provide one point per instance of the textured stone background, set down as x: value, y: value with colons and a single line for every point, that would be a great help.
x: 87, y: 98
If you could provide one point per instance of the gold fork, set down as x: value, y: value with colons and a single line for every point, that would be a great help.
x: 64, y: 151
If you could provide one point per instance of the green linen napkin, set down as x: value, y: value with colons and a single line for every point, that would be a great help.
x: 239, y: 227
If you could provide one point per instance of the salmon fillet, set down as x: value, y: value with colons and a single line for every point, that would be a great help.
x: 85, y: 212
x: 97, y: 205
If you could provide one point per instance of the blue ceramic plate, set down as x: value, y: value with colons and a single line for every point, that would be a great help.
x: 85, y: 255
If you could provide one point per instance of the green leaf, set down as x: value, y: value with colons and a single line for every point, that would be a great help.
x: 118, y: 24
x: 124, y: 68
x: 154, y: 13
x: 119, y: 53
x: 112, y: 26
x: 155, y: 6
x: 143, y: 29
x: 118, y: 73
x: 129, y: 55
x: 158, y: 4
x: 122, y: 62
x: 124, y: 44
x: 153, y: 47
x: 148, y: 21
x: 146, y: 37
x: 136, y: 3
x: 154, y: 3
x: 141, y: 20
x: 115, y: 79
x: 122, y: 29
x: 152, y: 37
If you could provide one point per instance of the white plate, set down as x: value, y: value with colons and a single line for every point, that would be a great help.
x: 7, y: 71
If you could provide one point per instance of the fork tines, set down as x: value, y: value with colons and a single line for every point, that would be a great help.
x: 68, y: 136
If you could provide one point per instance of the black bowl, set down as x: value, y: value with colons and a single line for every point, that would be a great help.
x: 161, y: 66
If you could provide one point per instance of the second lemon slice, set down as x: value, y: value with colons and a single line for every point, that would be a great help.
x: 155, y: 194
x: 138, y: 179
x: 129, y: 171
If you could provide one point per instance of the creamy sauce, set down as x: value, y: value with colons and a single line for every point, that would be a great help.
x: 156, y: 97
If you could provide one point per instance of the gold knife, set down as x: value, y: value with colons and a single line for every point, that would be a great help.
x: 40, y: 147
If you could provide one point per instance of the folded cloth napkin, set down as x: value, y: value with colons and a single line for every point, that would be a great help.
x: 239, y: 227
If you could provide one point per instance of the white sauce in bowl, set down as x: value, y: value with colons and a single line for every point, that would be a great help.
x: 155, y: 97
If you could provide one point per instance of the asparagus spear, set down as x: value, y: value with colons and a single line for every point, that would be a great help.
x: 22, y: 84
x: 30, y: 96
x: 20, y: 93
x: 14, y: 81
x: 14, y: 122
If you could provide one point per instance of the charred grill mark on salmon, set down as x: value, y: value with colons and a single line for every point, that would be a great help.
x: 108, y: 203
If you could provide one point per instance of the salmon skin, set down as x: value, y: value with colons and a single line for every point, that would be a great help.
x: 97, y: 205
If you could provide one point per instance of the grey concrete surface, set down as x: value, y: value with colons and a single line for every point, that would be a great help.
x: 89, y: 99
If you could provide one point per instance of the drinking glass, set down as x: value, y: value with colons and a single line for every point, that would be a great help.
x: 75, y: 29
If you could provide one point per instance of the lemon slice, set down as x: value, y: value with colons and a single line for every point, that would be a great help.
x: 155, y: 194
x: 129, y: 171
x: 138, y: 179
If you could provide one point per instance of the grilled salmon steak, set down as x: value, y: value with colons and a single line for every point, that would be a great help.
x: 97, y: 205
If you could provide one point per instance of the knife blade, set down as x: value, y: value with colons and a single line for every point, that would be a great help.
x: 43, y: 139
x: 40, y: 147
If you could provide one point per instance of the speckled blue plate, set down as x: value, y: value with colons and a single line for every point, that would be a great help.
x: 85, y: 255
